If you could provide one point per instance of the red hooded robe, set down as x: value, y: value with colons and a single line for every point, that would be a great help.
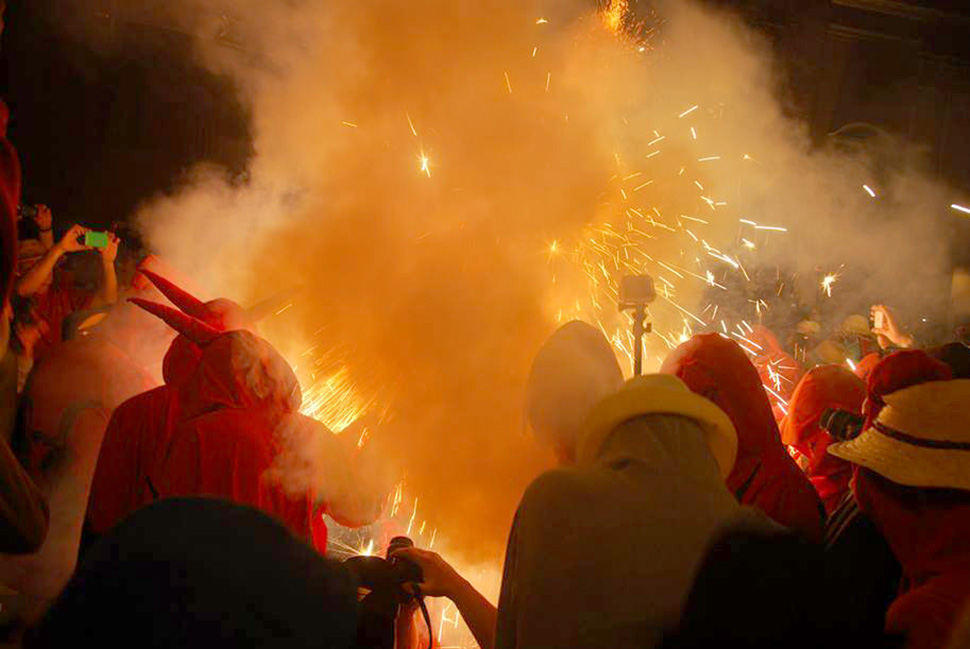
x: 826, y: 386
x: 765, y: 475
x: 141, y: 429
x: 929, y: 532
x: 137, y: 437
x: 239, y: 395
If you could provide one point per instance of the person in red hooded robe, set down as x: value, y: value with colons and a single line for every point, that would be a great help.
x: 855, y: 545
x: 914, y: 483
x: 826, y: 386
x: 778, y: 370
x: 868, y: 363
x: 140, y: 430
x: 765, y: 476
x: 240, y: 436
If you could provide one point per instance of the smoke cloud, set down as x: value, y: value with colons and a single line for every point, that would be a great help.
x: 448, y: 181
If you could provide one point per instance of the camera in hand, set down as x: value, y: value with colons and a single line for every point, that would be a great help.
x: 383, y: 580
x: 842, y: 424
x: 27, y: 211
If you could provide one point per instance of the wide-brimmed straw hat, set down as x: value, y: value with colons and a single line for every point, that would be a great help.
x: 660, y: 394
x: 920, y: 439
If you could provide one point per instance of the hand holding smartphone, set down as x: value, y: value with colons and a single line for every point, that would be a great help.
x: 96, y: 239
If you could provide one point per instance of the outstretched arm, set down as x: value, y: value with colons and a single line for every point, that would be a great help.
x: 441, y: 580
x: 889, y: 332
x: 35, y: 278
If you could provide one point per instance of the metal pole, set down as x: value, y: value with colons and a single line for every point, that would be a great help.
x: 639, y: 315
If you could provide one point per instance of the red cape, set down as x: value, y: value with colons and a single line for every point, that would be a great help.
x: 929, y: 532
x: 765, y: 475
x: 826, y: 386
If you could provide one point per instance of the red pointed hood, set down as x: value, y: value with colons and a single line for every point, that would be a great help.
x: 240, y: 370
x: 868, y: 363
x: 717, y: 368
x: 827, y: 386
x: 901, y: 370
x: 180, y: 361
x: 764, y: 474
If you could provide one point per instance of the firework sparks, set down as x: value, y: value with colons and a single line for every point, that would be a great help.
x: 960, y: 208
x: 614, y: 17
x: 828, y: 281
x: 425, y: 164
x: 689, y: 111
x: 869, y: 191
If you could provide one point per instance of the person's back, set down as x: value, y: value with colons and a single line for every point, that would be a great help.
x: 137, y: 438
x: 137, y: 434
x: 603, y: 554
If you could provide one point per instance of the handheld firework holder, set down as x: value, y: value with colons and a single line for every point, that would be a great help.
x: 384, y: 580
x: 636, y: 292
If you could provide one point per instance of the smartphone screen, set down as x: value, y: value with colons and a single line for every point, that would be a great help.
x: 96, y: 239
x: 878, y: 320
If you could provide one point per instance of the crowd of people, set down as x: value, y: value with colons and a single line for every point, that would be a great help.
x: 745, y: 495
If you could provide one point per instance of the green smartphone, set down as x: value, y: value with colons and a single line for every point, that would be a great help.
x: 96, y: 239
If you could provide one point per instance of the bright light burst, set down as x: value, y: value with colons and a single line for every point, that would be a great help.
x: 614, y: 17
x: 425, y: 164
x: 827, y: 282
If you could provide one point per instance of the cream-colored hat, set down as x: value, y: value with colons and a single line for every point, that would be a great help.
x: 659, y: 394
x: 856, y: 325
x: 921, y: 438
